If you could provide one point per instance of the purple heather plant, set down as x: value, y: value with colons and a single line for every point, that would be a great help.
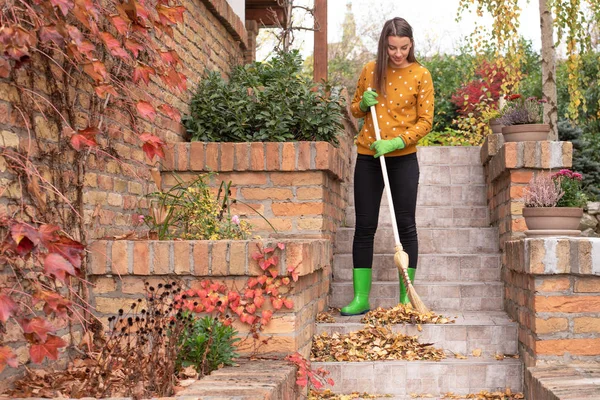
x: 542, y: 191
x: 519, y: 111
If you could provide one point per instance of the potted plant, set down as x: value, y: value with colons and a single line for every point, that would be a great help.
x: 554, y: 204
x: 522, y: 119
x: 491, y: 116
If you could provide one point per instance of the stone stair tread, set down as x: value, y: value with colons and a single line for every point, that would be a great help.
x: 477, y: 318
x: 399, y: 377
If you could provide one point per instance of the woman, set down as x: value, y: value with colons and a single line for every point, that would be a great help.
x: 403, y: 96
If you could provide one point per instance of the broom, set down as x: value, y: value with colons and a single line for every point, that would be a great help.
x: 400, y: 258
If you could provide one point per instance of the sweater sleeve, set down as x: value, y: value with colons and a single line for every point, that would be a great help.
x: 425, y: 107
x: 360, y: 89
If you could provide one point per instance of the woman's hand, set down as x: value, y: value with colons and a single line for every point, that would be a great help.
x: 368, y: 100
x: 382, y: 147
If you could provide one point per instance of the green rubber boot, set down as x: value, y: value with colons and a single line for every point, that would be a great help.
x: 403, y: 292
x: 362, y: 287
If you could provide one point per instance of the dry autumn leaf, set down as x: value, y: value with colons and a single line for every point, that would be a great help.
x: 401, y: 314
x: 372, y: 343
x: 477, y: 353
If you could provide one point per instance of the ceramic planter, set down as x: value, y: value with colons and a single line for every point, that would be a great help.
x: 526, y: 132
x: 495, y: 126
x: 552, y: 221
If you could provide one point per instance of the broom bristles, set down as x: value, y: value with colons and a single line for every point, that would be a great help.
x: 400, y: 258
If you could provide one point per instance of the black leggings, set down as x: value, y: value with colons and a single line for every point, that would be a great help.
x: 403, y: 173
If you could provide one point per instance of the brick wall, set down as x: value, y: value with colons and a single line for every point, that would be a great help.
x: 300, y: 187
x: 211, y: 37
x: 508, y: 168
x: 118, y: 270
x: 553, y: 291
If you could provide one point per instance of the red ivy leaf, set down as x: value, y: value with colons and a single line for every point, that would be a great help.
x: 170, y: 15
x: 169, y: 57
x: 269, y: 250
x: 252, y: 282
x: 50, y: 34
x: 277, y: 303
x: 133, y: 46
x: 103, y: 90
x: 54, y: 303
x: 153, y: 146
x: 49, y: 349
x: 170, y: 111
x: 85, y: 137
x: 64, y: 5
x: 114, y: 46
x: 4, y: 68
x: 142, y: 72
x: 58, y: 266
x: 40, y: 326
x: 274, y: 273
x: 25, y: 236
x: 259, y: 301
x: 257, y: 256
x: 281, y: 246
x: 7, y: 357
x: 146, y: 110
x: 48, y: 234
x: 121, y: 24
x: 289, y: 304
x: 7, y: 307
x: 96, y: 70
x: 69, y: 249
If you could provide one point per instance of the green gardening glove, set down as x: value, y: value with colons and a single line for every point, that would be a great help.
x: 382, y: 147
x: 368, y: 100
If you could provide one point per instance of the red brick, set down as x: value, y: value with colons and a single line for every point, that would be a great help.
x: 303, y: 156
x: 218, y: 258
x: 510, y: 154
x: 227, y: 156
x: 168, y: 163
x: 580, y: 347
x: 553, y: 284
x: 181, y: 257
x: 197, y: 156
x: 160, y: 261
x: 141, y: 257
x: 200, y: 254
x: 242, y: 156
x: 273, y: 157
x: 550, y: 325
x: 567, y: 304
x: 288, y: 157
x: 182, y: 156
x: 212, y: 157
x: 287, y: 208
x: 322, y: 156
x: 521, y: 176
x: 119, y: 257
x: 586, y: 325
x: 237, y: 258
x: 587, y: 284
x: 257, y: 156
x: 98, y: 257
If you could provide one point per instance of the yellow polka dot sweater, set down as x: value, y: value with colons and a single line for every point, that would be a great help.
x: 406, y: 110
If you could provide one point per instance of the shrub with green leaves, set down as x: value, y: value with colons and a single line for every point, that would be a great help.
x: 264, y: 101
x: 207, y: 345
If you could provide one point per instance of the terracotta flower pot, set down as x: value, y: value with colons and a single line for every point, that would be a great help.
x: 552, y: 221
x: 525, y: 132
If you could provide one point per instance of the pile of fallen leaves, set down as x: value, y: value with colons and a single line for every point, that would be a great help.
x: 325, y: 317
x: 372, y: 343
x: 329, y: 395
x: 485, y: 395
x: 401, y: 314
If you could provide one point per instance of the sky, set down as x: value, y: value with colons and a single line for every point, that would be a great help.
x: 433, y: 21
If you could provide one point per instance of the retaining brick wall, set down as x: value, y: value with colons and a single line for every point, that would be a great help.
x: 118, y: 269
x: 553, y: 291
x: 300, y: 187
x: 508, y: 169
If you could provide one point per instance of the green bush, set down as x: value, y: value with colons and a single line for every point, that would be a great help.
x: 264, y: 101
x: 586, y: 155
x: 450, y: 137
x: 207, y: 345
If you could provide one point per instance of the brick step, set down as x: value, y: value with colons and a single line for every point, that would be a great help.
x: 490, y: 331
x: 431, y: 267
x: 460, y: 195
x: 434, y: 216
x: 438, y: 296
x: 431, y: 240
x: 405, y: 377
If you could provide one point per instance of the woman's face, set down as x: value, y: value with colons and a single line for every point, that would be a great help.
x: 398, y: 49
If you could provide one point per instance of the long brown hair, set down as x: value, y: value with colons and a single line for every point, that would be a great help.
x: 393, y: 27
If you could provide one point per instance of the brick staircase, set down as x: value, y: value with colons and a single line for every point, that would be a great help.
x: 458, y: 276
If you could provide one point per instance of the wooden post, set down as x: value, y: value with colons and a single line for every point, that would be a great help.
x: 320, y: 42
x: 549, y: 70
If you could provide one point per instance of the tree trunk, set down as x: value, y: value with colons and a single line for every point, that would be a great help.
x: 548, y: 70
